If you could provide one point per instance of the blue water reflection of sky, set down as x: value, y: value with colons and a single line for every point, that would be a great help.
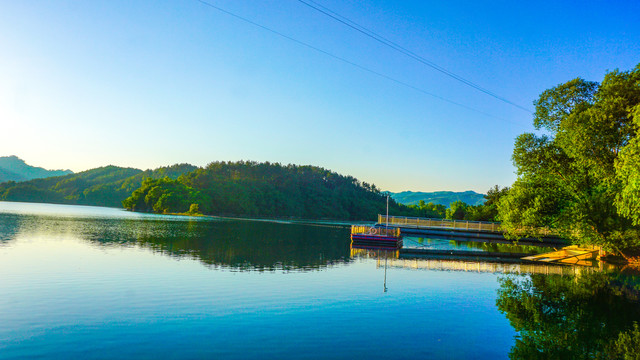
x: 67, y: 297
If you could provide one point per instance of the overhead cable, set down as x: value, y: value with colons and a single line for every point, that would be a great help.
x: 379, y: 38
x: 400, y: 82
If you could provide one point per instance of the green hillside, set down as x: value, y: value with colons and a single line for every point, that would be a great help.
x: 438, y: 197
x: 104, y: 186
x: 262, y: 189
x: 222, y: 188
x: 242, y: 188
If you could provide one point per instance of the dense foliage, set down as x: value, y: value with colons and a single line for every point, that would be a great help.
x: 104, y: 186
x: 266, y: 190
x: 165, y: 195
x: 241, y: 188
x: 580, y: 177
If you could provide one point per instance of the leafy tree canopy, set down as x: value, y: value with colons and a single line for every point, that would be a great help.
x: 247, y: 188
x: 580, y: 177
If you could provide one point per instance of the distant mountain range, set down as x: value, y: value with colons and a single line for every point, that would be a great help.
x: 103, y: 186
x: 438, y: 197
x: 12, y: 168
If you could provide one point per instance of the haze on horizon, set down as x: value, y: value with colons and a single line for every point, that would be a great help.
x: 153, y: 83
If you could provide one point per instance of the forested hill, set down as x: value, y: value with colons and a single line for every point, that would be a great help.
x: 12, y: 168
x: 438, y: 197
x: 104, y: 186
x: 222, y: 188
x: 241, y: 188
x: 262, y: 189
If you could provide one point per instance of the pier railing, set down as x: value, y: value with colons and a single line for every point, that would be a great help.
x: 365, y: 229
x: 440, y: 223
x: 491, y: 267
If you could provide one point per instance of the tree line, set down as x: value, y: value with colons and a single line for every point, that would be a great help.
x: 242, y: 188
x: 247, y: 188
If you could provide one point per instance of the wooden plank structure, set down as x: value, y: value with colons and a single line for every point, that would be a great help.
x: 570, y: 255
x: 371, y: 237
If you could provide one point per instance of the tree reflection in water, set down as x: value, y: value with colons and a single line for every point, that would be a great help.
x: 571, y: 317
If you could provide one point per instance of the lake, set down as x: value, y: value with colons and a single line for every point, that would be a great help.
x: 99, y: 283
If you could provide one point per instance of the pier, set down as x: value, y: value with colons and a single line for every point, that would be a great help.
x: 481, y: 230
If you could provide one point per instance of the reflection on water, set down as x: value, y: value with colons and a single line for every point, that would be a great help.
x: 559, y: 311
x: 87, y: 283
x: 234, y: 244
x: 381, y: 256
x: 246, y: 245
x: 569, y: 317
x: 444, y: 243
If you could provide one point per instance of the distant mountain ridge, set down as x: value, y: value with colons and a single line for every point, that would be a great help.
x: 438, y: 197
x: 12, y: 168
x: 103, y: 186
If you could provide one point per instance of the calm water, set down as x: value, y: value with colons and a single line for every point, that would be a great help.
x: 86, y: 282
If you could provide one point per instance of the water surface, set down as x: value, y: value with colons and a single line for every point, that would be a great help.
x: 87, y: 282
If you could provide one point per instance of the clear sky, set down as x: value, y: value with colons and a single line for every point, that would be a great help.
x: 151, y: 83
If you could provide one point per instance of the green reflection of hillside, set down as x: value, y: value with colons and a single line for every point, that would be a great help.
x: 248, y: 245
x: 478, y: 245
x: 9, y: 227
x: 240, y: 245
x: 568, y: 317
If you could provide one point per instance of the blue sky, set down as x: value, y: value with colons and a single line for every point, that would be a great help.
x: 152, y: 83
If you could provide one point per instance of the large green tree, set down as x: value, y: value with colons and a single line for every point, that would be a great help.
x: 570, y: 175
x: 628, y: 173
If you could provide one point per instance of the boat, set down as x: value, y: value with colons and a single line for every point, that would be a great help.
x: 376, y: 237
x: 372, y: 237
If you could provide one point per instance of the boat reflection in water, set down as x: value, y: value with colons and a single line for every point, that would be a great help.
x: 382, y: 257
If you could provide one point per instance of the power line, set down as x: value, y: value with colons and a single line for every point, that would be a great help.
x: 400, y: 82
x: 379, y: 38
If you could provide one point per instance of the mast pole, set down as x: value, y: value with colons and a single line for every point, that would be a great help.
x: 387, y: 211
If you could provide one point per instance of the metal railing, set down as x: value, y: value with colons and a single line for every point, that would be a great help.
x: 440, y: 223
x: 491, y: 267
